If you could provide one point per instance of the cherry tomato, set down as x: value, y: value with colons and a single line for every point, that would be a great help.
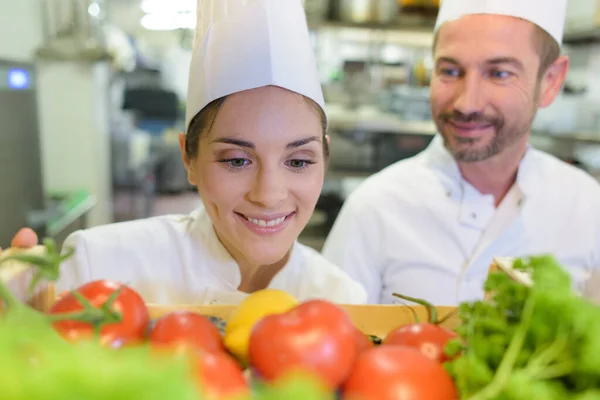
x: 397, y: 372
x: 316, y: 336
x: 130, y: 330
x: 186, y: 327
x: 429, y: 339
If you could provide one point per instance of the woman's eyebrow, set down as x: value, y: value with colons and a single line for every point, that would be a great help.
x: 301, y: 142
x: 244, y: 143
x: 235, y: 142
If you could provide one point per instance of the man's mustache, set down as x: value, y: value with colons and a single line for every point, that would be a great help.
x: 478, y: 118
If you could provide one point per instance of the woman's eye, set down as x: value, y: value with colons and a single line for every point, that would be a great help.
x: 300, y: 164
x: 297, y: 163
x: 238, y: 162
x: 235, y: 163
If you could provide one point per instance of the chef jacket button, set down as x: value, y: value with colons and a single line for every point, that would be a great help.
x: 473, y: 215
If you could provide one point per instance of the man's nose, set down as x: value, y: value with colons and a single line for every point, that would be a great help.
x: 470, y: 98
x: 269, y: 188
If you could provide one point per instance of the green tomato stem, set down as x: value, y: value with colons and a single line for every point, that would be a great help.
x: 48, y: 266
x: 431, y: 309
x: 448, y: 316
x: 92, y: 317
x: 97, y: 317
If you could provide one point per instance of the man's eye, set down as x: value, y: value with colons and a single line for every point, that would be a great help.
x: 451, y: 72
x: 500, y: 74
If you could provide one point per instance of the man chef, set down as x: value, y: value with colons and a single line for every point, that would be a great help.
x: 429, y: 226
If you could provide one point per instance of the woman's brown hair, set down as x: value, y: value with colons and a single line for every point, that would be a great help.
x: 203, y: 121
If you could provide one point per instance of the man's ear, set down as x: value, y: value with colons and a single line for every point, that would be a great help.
x: 553, y: 80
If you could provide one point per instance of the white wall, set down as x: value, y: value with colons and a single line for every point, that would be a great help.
x: 20, y: 29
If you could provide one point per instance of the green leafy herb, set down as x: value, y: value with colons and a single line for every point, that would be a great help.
x: 523, y: 343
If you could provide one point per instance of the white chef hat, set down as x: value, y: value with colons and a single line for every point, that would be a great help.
x: 547, y: 14
x: 246, y: 44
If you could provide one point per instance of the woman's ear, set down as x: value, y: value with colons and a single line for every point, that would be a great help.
x: 186, y: 160
x: 184, y: 157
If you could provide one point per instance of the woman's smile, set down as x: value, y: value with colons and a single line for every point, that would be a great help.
x: 265, y: 225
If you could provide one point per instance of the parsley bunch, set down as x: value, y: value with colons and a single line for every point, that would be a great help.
x: 528, y: 342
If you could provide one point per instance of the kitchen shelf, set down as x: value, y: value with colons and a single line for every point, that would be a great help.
x: 401, y: 24
x: 583, y: 36
x: 579, y: 137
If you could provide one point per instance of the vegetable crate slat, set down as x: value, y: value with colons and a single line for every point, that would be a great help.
x: 375, y: 320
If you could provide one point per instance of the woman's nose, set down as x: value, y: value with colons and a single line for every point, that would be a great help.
x: 269, y: 188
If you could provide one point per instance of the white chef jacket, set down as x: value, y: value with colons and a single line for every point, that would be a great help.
x: 178, y: 259
x: 419, y: 229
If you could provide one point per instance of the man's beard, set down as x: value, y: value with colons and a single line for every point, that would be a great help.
x: 503, y: 135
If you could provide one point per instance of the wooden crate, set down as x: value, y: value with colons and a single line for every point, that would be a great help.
x: 371, y: 319
x: 375, y: 320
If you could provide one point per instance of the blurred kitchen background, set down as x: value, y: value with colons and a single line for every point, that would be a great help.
x: 92, y: 97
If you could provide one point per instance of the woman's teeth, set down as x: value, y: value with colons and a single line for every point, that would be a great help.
x: 260, y: 222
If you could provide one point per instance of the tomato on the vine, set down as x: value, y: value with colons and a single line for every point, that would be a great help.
x: 187, y: 328
x: 398, y: 372
x: 430, y: 338
x: 316, y: 336
x: 134, y: 314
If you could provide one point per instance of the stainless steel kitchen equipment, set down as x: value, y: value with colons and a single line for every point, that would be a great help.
x: 23, y: 201
x: 316, y: 10
x: 73, y: 30
x: 366, y: 11
x: 22, y: 190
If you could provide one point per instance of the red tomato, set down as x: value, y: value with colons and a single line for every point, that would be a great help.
x: 189, y: 328
x: 220, y: 376
x: 315, y: 336
x: 135, y: 318
x: 398, y: 373
x: 217, y: 374
x: 109, y: 341
x: 363, y: 342
x: 429, y: 339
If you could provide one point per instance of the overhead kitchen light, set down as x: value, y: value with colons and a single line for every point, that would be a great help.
x: 168, y: 7
x: 169, y: 22
x: 162, y: 15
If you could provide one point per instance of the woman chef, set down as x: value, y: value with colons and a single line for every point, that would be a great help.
x: 256, y: 149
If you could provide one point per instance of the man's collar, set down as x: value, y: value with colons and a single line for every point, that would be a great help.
x: 440, y: 159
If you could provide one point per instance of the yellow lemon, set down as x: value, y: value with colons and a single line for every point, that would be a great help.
x: 254, y: 307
